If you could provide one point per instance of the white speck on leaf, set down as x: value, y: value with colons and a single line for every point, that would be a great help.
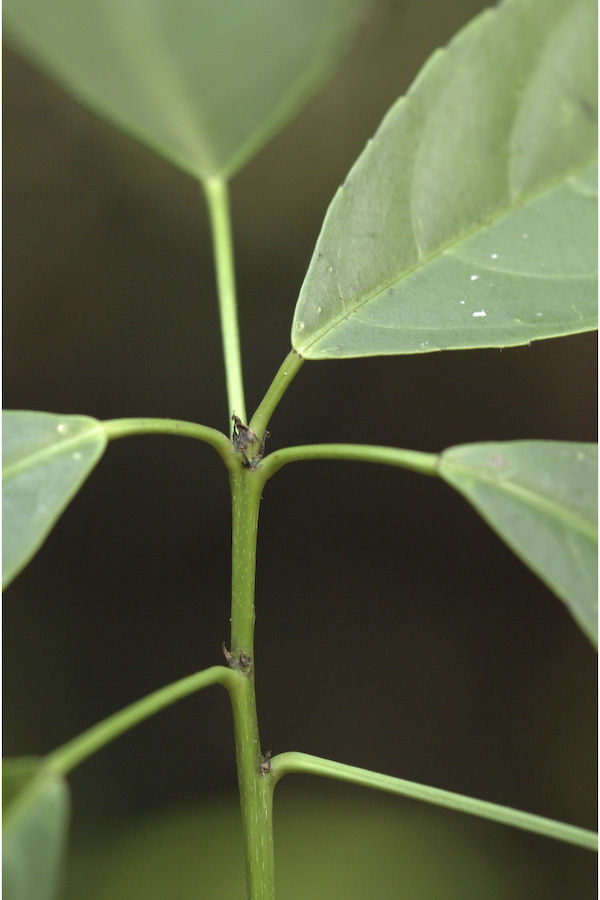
x: 62, y: 428
x: 479, y: 314
x: 474, y: 277
x: 494, y: 256
x: 300, y: 326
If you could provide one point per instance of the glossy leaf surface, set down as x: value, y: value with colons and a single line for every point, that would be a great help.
x: 470, y: 218
x: 541, y: 497
x: 35, y: 814
x: 203, y: 83
x: 46, y: 458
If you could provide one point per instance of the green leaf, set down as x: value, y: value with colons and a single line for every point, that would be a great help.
x: 541, y: 497
x: 470, y: 218
x: 203, y: 83
x: 46, y: 459
x: 35, y: 815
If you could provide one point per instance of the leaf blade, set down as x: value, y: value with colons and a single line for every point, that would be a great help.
x: 46, y: 459
x: 35, y: 809
x: 456, y: 183
x: 203, y: 84
x: 541, y: 498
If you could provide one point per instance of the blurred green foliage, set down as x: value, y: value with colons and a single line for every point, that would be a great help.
x: 330, y: 845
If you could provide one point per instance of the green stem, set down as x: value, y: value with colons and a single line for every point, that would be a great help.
x: 302, y: 763
x: 119, y: 428
x: 255, y: 794
x: 287, y: 372
x: 217, y: 197
x: 78, y: 749
x: 424, y: 463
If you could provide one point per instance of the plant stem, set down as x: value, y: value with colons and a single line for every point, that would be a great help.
x: 89, y: 742
x: 217, y: 197
x: 119, y: 428
x: 287, y: 371
x: 255, y: 794
x: 302, y: 763
x: 424, y: 463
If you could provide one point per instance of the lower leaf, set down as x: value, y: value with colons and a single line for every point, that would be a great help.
x: 541, y: 497
x: 35, y: 806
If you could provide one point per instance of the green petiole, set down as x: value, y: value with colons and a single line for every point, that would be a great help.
x: 77, y: 750
x: 303, y: 763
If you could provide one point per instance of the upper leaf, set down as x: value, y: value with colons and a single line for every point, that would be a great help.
x: 542, y: 499
x: 45, y: 460
x: 203, y: 83
x: 35, y: 815
x: 469, y: 220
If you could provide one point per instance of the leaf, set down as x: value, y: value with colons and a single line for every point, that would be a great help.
x: 541, y: 497
x: 46, y: 459
x: 469, y: 220
x: 35, y: 815
x: 204, y: 84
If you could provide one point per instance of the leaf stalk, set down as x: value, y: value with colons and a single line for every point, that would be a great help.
x: 285, y: 374
x: 415, y: 460
x: 77, y: 750
x: 217, y: 197
x: 119, y: 428
x: 303, y: 763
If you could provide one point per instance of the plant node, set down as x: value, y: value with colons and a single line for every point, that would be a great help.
x: 242, y: 664
x: 265, y: 763
x: 244, y: 438
x: 245, y: 660
x: 228, y: 656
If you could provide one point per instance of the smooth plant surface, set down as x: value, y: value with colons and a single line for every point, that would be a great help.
x: 169, y: 71
x: 35, y: 816
x: 470, y: 218
x: 467, y: 222
x: 540, y: 497
x: 45, y: 460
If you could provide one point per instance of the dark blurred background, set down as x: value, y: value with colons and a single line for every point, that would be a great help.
x: 394, y: 630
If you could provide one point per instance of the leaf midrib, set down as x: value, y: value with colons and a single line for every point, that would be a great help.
x: 529, y: 497
x: 523, y: 199
x: 58, y: 448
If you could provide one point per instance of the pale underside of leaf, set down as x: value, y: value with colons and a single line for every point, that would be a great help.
x: 46, y: 458
x: 34, y: 830
x: 470, y: 218
x: 204, y: 84
x: 541, y: 498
